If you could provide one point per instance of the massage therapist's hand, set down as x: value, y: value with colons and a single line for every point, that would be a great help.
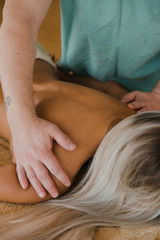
x: 143, y: 101
x: 32, y: 146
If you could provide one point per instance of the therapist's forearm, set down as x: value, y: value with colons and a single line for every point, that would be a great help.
x: 17, y: 54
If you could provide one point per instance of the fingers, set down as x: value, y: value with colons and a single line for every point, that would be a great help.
x: 41, y: 180
x: 129, y: 97
x: 135, y: 100
x: 46, y: 180
x: 22, y: 176
x: 62, y: 138
x: 35, y: 182
x: 36, y: 161
x: 53, y: 165
x: 136, y: 105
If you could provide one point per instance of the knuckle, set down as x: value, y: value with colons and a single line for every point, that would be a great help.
x: 31, y: 175
x: 41, y: 152
x: 29, y: 156
x: 131, y: 104
x: 42, y: 177
x: 54, y: 129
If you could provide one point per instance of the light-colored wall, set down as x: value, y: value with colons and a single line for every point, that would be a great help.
x: 49, y: 34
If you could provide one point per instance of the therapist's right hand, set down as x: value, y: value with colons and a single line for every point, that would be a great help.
x: 32, y: 152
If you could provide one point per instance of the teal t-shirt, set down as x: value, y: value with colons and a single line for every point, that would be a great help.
x: 112, y: 40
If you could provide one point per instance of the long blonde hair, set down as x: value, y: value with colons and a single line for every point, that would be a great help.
x: 121, y: 187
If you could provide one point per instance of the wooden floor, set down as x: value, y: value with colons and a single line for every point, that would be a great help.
x: 49, y: 34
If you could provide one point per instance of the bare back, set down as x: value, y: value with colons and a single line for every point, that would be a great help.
x: 84, y: 114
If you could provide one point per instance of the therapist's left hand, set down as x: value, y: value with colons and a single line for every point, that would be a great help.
x: 143, y: 101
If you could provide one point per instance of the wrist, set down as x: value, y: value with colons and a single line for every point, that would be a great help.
x: 22, y: 123
x: 20, y: 116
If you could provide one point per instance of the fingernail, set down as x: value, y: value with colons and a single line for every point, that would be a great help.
x: 42, y: 194
x: 24, y: 186
x: 67, y: 183
x: 54, y: 195
x: 72, y: 146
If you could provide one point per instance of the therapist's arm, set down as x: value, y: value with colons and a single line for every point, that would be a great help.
x: 32, y: 137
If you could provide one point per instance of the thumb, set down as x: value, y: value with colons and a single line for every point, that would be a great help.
x: 62, y: 139
x: 129, y: 97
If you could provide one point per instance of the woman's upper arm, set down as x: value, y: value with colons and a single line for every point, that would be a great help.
x: 10, y: 189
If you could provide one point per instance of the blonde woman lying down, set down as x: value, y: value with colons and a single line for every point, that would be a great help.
x: 121, y: 184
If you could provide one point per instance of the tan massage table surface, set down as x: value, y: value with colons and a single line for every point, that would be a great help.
x: 125, y: 233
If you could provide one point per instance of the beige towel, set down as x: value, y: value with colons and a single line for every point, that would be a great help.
x: 111, y: 233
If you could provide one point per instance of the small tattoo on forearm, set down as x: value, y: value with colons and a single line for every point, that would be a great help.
x: 8, y: 101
